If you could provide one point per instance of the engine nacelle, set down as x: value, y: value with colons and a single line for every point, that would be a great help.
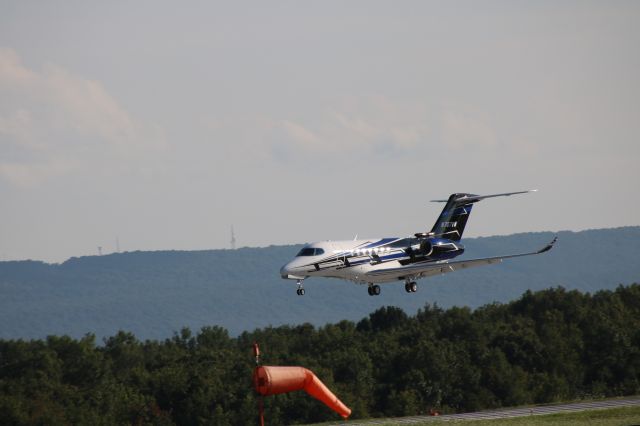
x: 436, y: 247
x: 448, y: 248
x: 432, y: 248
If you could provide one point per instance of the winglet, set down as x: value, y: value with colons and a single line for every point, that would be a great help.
x: 548, y: 246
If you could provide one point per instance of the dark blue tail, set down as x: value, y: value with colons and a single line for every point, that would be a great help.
x: 454, y: 216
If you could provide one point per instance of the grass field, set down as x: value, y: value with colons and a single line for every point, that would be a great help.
x: 622, y: 416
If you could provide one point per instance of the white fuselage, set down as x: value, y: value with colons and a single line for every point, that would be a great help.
x: 353, y: 259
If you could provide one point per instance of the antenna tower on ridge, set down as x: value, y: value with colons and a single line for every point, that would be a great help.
x: 233, y: 239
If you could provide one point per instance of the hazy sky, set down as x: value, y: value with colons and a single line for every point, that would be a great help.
x: 164, y: 123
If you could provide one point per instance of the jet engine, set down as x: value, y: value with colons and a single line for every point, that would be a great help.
x: 433, y: 248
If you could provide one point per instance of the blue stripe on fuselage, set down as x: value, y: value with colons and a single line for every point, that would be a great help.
x: 383, y: 259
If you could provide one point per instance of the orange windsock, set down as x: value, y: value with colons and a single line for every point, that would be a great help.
x: 269, y: 380
x: 317, y: 389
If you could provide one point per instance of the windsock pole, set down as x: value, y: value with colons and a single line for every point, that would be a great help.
x: 256, y: 354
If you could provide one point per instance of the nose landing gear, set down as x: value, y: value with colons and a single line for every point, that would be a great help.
x: 300, y: 290
x: 373, y: 290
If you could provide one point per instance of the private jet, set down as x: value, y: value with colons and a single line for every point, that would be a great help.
x: 376, y: 261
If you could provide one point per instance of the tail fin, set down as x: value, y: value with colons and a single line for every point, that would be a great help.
x: 456, y: 212
x: 453, y: 219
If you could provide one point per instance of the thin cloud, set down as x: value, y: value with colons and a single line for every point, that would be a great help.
x: 53, y: 123
x: 464, y: 132
x: 364, y: 124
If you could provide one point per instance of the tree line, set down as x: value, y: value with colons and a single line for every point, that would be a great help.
x: 547, y: 346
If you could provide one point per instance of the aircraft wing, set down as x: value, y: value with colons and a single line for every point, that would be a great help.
x: 428, y: 269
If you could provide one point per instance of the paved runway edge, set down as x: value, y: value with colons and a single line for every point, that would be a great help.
x: 506, y: 413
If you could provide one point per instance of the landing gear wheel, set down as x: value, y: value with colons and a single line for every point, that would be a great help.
x: 376, y: 290
x: 370, y: 291
x: 411, y: 287
x: 300, y: 290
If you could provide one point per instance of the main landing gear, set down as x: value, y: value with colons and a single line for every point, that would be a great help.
x: 300, y: 290
x: 373, y: 290
x: 411, y: 286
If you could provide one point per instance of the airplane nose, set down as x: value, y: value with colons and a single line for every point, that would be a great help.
x: 284, y: 271
x: 292, y: 270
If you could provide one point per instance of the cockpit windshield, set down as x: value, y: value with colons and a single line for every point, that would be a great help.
x: 310, y: 251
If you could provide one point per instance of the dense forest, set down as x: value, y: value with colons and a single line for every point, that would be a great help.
x: 549, y: 345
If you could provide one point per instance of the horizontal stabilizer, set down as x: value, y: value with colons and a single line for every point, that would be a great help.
x: 470, y: 198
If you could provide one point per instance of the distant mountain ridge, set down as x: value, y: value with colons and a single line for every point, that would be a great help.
x: 154, y: 294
